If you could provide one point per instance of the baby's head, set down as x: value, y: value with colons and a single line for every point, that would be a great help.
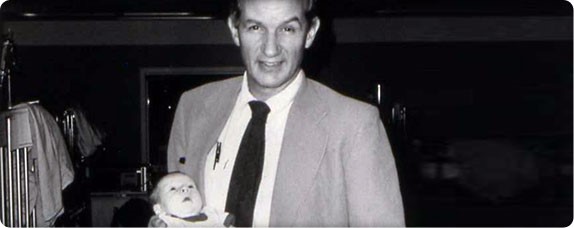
x: 176, y: 194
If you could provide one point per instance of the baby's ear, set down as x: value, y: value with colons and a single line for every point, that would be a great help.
x: 157, y: 209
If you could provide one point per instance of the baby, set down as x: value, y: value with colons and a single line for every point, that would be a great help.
x: 177, y: 202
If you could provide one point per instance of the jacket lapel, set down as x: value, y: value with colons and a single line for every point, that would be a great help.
x: 303, y: 147
x: 217, y: 111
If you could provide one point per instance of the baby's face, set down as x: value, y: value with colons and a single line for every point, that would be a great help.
x: 179, y: 196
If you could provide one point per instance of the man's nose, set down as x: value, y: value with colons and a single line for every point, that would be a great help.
x: 270, y: 47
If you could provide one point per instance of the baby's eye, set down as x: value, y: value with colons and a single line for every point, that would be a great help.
x: 172, y: 189
x: 191, y: 186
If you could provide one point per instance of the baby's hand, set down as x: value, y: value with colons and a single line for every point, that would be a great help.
x: 177, y: 222
x: 155, y: 221
x: 214, y: 219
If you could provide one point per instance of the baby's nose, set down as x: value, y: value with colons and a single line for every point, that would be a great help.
x: 184, y: 190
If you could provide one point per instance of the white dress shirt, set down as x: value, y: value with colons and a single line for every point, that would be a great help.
x: 217, y: 177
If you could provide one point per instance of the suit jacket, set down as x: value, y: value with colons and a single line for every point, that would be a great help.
x: 336, y: 167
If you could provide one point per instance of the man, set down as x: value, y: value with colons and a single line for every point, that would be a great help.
x: 325, y: 158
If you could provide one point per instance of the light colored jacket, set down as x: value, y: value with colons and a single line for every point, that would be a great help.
x: 336, y: 167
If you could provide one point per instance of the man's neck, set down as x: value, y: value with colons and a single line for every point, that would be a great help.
x: 263, y: 94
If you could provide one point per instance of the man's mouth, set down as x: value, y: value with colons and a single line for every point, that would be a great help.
x: 270, y: 63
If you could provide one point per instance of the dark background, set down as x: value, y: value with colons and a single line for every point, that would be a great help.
x: 495, y: 76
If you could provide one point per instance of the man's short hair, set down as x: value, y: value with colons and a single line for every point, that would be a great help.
x: 235, y: 11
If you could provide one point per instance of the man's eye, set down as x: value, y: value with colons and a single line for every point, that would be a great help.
x: 289, y: 29
x: 254, y: 28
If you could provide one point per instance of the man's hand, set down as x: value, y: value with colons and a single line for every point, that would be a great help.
x: 222, y: 219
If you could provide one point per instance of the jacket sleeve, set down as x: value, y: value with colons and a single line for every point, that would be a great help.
x: 373, y: 192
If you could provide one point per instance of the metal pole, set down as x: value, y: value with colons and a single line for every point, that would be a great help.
x: 19, y: 191
x: 145, y: 179
x: 67, y: 129
x: 9, y: 91
x: 33, y: 170
x: 2, y: 185
x: 72, y: 131
x: 379, y: 94
x: 34, y: 216
x: 26, y: 187
x: 10, y: 178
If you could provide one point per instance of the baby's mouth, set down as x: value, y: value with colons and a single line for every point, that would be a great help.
x: 186, y: 199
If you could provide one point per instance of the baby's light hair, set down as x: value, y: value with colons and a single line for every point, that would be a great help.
x: 155, y: 196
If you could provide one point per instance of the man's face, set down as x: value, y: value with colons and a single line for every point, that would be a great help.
x: 179, y: 196
x: 272, y: 36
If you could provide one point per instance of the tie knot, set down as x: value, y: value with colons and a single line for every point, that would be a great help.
x: 259, y: 109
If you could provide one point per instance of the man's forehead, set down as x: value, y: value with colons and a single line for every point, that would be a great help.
x: 304, y: 3
x: 273, y: 11
x: 294, y: 6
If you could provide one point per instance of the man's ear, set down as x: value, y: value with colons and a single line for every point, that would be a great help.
x: 157, y: 209
x: 233, y: 29
x: 312, y: 32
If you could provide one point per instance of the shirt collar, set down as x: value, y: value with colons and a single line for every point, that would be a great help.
x: 277, y: 101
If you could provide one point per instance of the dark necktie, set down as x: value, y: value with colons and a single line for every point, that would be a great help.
x: 246, y: 176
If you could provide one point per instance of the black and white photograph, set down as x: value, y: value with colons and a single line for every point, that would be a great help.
x: 286, y: 113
